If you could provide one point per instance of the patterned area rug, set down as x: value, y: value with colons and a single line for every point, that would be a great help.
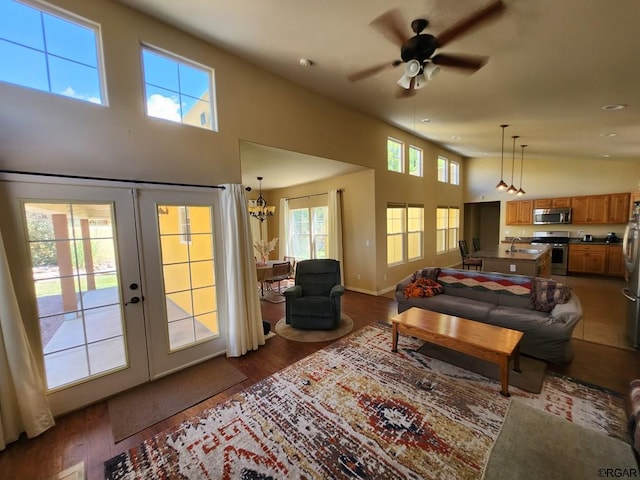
x: 355, y: 409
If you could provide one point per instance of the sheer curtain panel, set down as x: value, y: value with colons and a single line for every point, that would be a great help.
x: 284, y: 248
x: 23, y: 403
x: 241, y: 302
x: 335, y: 229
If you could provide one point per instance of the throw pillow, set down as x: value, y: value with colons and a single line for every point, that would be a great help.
x: 427, y: 272
x: 423, y: 287
x: 546, y: 293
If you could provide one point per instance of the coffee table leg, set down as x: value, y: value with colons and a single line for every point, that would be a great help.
x: 394, y: 337
x: 504, y: 376
x: 516, y: 359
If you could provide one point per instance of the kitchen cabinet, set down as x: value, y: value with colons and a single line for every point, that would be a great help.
x: 588, y: 259
x: 519, y: 212
x: 552, y: 202
x: 618, y: 208
x: 590, y: 209
x: 615, y: 261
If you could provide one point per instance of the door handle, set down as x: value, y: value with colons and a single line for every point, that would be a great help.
x: 134, y: 300
x: 628, y: 295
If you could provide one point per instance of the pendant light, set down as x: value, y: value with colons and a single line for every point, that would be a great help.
x: 520, y: 191
x: 512, y: 188
x: 501, y: 185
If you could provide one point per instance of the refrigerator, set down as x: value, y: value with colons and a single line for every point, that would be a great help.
x: 631, y: 252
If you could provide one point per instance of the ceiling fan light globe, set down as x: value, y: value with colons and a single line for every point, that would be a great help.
x: 431, y: 70
x: 405, y: 82
x: 421, y: 81
x: 412, y: 68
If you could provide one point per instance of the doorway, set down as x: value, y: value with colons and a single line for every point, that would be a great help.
x: 482, y: 220
x: 122, y: 284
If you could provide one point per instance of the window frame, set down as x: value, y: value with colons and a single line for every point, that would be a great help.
x: 405, y: 232
x: 420, y: 152
x: 313, y: 234
x: 454, y: 172
x: 400, y: 143
x: 443, y: 173
x: 65, y: 15
x: 187, y: 62
x: 449, y: 233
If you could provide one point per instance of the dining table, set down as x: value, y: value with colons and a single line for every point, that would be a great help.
x: 263, y: 270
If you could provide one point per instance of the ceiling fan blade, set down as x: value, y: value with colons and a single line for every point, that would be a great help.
x: 407, y: 92
x: 464, y: 26
x: 373, y: 70
x: 465, y: 62
x: 391, y: 25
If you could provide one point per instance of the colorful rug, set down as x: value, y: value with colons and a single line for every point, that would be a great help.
x: 355, y: 409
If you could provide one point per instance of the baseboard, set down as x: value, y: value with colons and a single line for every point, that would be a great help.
x: 375, y: 293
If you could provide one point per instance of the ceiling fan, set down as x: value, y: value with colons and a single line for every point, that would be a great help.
x: 417, y: 52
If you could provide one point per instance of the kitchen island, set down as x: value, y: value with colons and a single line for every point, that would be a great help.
x: 529, y: 260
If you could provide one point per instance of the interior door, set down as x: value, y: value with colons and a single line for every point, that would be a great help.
x: 178, y: 233
x: 82, y: 296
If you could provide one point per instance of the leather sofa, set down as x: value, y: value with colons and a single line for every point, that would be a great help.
x: 544, y: 310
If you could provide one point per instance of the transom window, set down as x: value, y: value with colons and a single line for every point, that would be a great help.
x: 415, y: 161
x: 178, y: 90
x: 448, y: 171
x: 395, y: 155
x: 51, y: 52
x: 447, y: 229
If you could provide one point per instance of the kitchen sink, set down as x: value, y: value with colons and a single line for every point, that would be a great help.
x: 532, y: 251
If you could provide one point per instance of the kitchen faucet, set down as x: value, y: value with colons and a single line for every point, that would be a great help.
x: 512, y: 249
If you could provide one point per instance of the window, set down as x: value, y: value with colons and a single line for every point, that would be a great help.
x: 454, y: 173
x: 50, y: 52
x: 405, y: 233
x: 178, y: 91
x: 309, y: 232
x: 448, y: 171
x: 415, y: 161
x: 395, y: 155
x: 184, y: 225
x: 447, y: 228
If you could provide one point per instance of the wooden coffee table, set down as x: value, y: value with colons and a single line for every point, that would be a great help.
x: 488, y: 342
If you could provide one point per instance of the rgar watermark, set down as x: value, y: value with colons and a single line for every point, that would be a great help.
x: 618, y: 473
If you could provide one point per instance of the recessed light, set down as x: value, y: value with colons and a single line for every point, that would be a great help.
x: 455, y: 137
x: 605, y: 155
x: 425, y: 120
x: 305, y: 62
x: 608, y: 134
x: 615, y: 106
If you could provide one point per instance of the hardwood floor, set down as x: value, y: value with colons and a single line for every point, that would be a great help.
x: 86, y: 434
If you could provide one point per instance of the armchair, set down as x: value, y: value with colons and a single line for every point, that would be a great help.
x: 313, y: 303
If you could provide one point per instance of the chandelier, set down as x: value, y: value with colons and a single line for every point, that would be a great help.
x: 260, y: 210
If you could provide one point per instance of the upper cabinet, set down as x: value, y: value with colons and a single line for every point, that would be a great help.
x: 552, y: 202
x: 519, y: 212
x: 619, y: 208
x: 590, y: 209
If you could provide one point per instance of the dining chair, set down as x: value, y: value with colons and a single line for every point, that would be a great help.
x: 476, y: 244
x: 292, y: 262
x: 467, y: 261
x: 278, y: 273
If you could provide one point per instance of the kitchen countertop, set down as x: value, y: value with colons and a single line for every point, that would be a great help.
x: 528, y: 253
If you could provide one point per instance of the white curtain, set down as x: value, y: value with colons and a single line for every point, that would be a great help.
x: 283, y: 229
x: 335, y: 230
x: 242, y: 304
x: 23, y: 403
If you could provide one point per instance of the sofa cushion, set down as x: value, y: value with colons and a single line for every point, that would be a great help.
x: 469, y: 309
x: 634, y: 412
x: 499, y: 289
x: 428, y: 272
x: 547, y: 293
x: 518, y: 319
x: 312, y: 307
x: 423, y: 287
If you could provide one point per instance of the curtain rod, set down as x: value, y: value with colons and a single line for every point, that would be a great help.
x: 106, y: 179
x: 312, y: 195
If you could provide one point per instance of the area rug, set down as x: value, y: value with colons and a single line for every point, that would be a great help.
x: 355, y: 409
x: 530, y: 377
x: 145, y: 405
x: 297, y: 335
x: 569, y: 451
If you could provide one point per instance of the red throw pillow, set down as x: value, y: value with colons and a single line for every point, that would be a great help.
x: 423, y: 287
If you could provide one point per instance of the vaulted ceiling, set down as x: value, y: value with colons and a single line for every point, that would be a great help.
x: 553, y: 65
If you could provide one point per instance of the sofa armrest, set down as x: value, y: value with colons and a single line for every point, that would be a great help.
x: 568, y: 313
x: 336, y: 291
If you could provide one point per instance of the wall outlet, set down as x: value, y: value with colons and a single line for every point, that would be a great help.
x: 358, y: 276
x: 512, y: 268
x: 384, y: 277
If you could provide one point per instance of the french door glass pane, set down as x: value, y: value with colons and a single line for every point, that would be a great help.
x: 74, y: 264
x: 186, y: 240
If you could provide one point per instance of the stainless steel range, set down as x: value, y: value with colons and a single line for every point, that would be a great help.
x: 559, y: 241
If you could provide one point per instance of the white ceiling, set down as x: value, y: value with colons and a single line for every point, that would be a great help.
x: 553, y: 65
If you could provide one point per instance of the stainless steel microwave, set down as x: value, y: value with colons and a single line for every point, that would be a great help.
x: 549, y: 216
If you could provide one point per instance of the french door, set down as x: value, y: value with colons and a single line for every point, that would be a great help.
x: 122, y: 284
